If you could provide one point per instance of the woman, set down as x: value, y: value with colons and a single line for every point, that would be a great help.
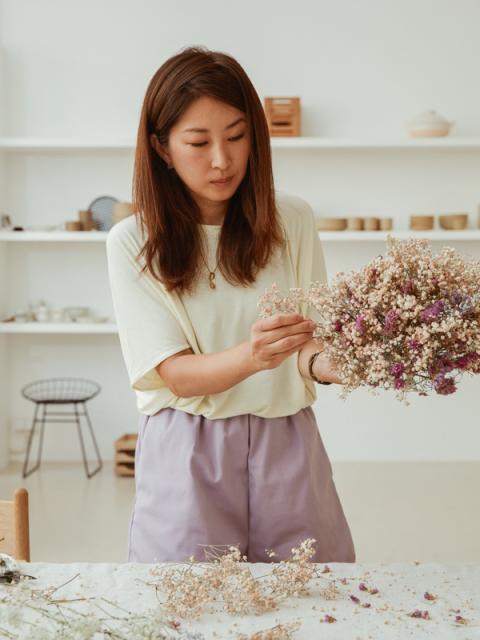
x: 228, y: 450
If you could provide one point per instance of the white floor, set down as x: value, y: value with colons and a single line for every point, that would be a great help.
x: 396, y: 511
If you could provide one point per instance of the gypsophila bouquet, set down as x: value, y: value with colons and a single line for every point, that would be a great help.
x: 407, y: 321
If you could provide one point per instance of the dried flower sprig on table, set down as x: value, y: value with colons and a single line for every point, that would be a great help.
x: 407, y: 321
x: 228, y: 579
x: 281, y: 631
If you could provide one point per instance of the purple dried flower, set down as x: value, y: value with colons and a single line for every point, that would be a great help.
x: 397, y: 369
x: 398, y: 383
x: 390, y: 323
x: 456, y: 297
x: 443, y: 385
x: 414, y: 344
x: 433, y: 311
x: 328, y: 618
x: 408, y: 287
x: 419, y: 614
x: 337, y: 326
x: 360, y: 324
x: 445, y: 363
x: 467, y: 359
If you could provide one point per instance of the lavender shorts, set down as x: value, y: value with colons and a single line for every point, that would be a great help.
x: 261, y: 483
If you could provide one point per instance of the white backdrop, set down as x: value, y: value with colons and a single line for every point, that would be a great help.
x: 361, y: 69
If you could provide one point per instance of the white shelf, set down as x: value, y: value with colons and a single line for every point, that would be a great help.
x: 389, y: 143
x: 302, y: 142
x: 57, y: 327
x: 325, y: 236
x: 65, y: 144
x: 448, y: 142
x: 53, y: 236
x: 369, y: 236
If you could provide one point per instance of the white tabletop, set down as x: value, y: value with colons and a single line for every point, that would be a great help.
x: 401, y: 587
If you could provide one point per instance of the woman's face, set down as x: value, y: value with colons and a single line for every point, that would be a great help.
x: 220, y: 150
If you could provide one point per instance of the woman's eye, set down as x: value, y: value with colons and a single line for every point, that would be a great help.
x: 202, y: 144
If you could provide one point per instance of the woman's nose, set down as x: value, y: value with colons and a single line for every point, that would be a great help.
x: 220, y: 158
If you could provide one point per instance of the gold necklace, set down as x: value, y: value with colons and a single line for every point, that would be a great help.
x: 211, y: 275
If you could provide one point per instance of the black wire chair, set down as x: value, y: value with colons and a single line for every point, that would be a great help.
x: 59, y: 391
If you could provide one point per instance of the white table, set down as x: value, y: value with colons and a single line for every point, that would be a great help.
x: 401, y: 591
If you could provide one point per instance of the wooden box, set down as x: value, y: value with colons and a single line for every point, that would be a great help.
x: 125, y: 454
x: 283, y: 116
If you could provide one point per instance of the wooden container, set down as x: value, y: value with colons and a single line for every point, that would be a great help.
x: 125, y: 454
x: 86, y: 220
x: 283, y: 116
x: 355, y: 224
x: 453, y: 221
x: 73, y: 225
x: 421, y: 222
x: 371, y: 224
x: 121, y: 210
x: 386, y: 224
x: 331, y: 224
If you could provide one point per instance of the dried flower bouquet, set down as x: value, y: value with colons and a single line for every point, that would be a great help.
x: 408, y: 320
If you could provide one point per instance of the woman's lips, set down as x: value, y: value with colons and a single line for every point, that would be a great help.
x: 225, y: 181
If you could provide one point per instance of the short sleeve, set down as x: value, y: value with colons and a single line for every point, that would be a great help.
x: 148, y: 330
x: 309, y: 257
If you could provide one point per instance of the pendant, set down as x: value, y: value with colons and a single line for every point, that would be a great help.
x: 211, y: 278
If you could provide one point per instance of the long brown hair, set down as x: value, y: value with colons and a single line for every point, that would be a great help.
x: 251, y: 228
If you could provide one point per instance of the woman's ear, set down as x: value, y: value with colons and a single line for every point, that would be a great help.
x: 159, y: 149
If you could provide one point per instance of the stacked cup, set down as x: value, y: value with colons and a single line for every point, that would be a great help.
x: 121, y: 210
x: 84, y: 223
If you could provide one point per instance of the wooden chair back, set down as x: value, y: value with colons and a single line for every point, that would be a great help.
x: 14, y: 527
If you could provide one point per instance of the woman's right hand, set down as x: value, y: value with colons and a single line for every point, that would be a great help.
x: 274, y: 339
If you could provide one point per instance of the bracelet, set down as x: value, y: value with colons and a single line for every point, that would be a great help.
x: 311, y: 360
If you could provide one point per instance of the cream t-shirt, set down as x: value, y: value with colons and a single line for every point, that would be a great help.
x: 153, y: 324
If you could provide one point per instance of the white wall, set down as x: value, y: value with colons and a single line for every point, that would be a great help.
x: 4, y: 368
x: 361, y: 69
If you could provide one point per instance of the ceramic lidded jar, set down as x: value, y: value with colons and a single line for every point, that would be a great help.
x: 429, y: 124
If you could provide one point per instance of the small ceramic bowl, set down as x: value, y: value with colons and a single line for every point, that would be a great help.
x: 429, y: 124
x: 74, y: 313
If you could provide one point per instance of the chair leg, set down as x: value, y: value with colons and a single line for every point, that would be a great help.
x: 26, y: 472
x: 82, y: 444
x: 42, y: 431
